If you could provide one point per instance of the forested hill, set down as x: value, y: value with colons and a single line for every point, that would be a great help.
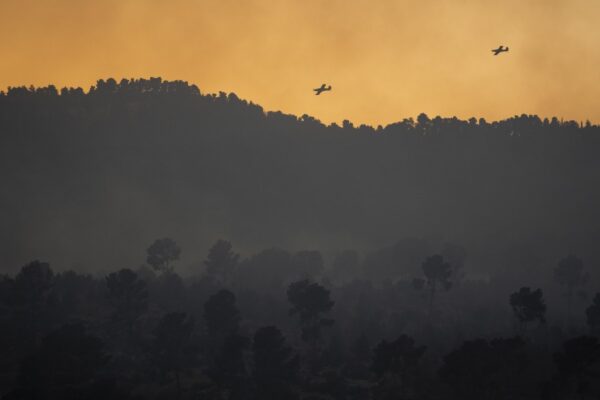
x: 89, y: 178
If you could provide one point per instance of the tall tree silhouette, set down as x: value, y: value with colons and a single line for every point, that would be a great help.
x: 162, y: 253
x: 72, y: 294
x: 228, y: 370
x: 128, y: 296
x: 221, y: 261
x: 528, y: 306
x: 570, y: 273
x: 222, y: 318
x: 168, y: 291
x: 172, y: 348
x: 456, y: 256
x: 226, y: 351
x: 275, y: 367
x: 438, y: 273
x: 32, y: 287
x: 310, y: 301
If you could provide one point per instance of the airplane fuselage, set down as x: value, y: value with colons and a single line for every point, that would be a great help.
x: 499, y: 50
x: 322, y: 89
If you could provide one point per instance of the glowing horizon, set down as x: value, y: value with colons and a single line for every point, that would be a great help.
x: 386, y: 60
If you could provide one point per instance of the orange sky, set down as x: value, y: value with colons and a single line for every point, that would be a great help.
x: 386, y: 59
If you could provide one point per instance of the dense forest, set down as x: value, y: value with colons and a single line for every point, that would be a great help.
x: 89, y: 178
x: 280, y: 325
x: 162, y: 243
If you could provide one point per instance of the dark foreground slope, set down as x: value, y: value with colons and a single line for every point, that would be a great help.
x: 86, y: 177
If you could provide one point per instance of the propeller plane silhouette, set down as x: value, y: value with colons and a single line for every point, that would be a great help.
x: 322, y: 89
x: 499, y: 50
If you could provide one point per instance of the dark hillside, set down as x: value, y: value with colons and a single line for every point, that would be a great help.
x: 86, y: 177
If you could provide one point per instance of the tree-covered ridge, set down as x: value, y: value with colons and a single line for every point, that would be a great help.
x: 95, y: 172
x: 133, y: 89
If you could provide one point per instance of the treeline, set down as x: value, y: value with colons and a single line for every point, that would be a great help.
x: 90, y: 175
x: 280, y: 325
x: 155, y: 87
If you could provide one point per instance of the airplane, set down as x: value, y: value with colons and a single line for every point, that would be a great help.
x: 322, y: 89
x: 499, y: 50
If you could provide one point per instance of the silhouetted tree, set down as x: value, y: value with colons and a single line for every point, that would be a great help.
x: 395, y: 364
x: 528, y: 306
x: 221, y: 261
x: 438, y: 273
x: 128, y: 296
x: 593, y: 315
x: 456, y: 256
x: 228, y: 370
x: 172, y: 348
x: 275, y: 367
x: 162, y: 253
x: 31, y: 290
x: 221, y: 313
x: 423, y: 122
x: 222, y: 319
x: 76, y: 296
x: 570, y: 273
x: 310, y: 301
x: 33, y: 283
x: 168, y: 291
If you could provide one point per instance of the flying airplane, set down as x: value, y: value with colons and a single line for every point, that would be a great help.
x: 499, y: 50
x: 322, y: 89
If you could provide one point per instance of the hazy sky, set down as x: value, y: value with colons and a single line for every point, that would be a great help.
x: 386, y: 59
